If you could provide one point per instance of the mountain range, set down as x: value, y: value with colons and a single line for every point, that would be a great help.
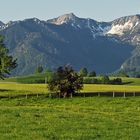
x: 82, y: 42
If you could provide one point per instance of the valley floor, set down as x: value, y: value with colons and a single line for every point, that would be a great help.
x: 16, y: 89
x: 27, y: 115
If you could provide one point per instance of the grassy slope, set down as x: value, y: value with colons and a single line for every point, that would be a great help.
x: 130, y: 81
x: 41, y: 77
x: 98, y: 118
x: 133, y: 81
x: 133, y: 85
x: 25, y: 79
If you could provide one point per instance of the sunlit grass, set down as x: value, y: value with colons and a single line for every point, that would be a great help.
x: 88, y: 118
x: 110, y: 88
x: 22, y: 89
x: 78, y: 118
x: 14, y: 89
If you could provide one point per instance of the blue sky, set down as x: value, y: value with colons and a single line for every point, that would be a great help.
x: 101, y: 10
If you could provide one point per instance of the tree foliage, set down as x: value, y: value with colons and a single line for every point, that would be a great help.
x: 105, y: 79
x: 39, y: 70
x: 6, y: 61
x: 65, y: 81
x: 92, y: 74
x: 122, y: 73
x: 83, y: 72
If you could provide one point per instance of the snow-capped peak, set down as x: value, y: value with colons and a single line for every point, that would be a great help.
x: 63, y: 19
x: 96, y: 28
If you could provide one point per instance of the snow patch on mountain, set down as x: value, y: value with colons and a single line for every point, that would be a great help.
x: 7, y: 25
x: 121, y: 29
x: 104, y: 30
x: 100, y: 30
x: 37, y: 20
x: 136, y: 24
x: 1, y: 24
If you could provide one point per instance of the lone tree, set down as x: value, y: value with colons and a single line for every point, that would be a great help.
x: 39, y: 70
x: 92, y: 74
x: 83, y: 72
x: 65, y: 82
x: 6, y: 61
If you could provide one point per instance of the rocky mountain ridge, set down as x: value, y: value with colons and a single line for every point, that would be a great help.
x: 102, y: 46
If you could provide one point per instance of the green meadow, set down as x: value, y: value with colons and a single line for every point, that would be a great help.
x: 15, y: 89
x: 100, y: 118
x: 40, y: 78
x: 38, y: 117
x: 26, y: 85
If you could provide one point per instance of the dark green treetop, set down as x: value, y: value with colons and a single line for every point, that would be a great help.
x: 65, y: 81
x: 83, y: 72
x: 7, y: 63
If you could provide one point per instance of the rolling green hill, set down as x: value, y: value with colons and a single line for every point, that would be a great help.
x: 40, y: 78
x: 34, y: 78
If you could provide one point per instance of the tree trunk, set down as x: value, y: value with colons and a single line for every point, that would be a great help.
x: 71, y: 95
x: 64, y: 95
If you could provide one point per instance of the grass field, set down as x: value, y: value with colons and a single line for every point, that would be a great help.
x: 14, y: 89
x: 100, y: 118
x: 130, y: 81
x: 40, y: 78
x: 29, y: 79
x: 42, y: 118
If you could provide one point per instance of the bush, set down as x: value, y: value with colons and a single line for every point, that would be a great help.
x: 39, y: 70
x: 122, y: 74
x: 39, y: 81
x: 116, y: 81
x: 92, y: 74
x: 83, y: 72
x: 105, y: 79
x: 90, y: 80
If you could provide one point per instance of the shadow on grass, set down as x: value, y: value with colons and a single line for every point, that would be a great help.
x: 85, y: 94
x: 107, y: 94
x: 4, y: 90
x: 126, y: 83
